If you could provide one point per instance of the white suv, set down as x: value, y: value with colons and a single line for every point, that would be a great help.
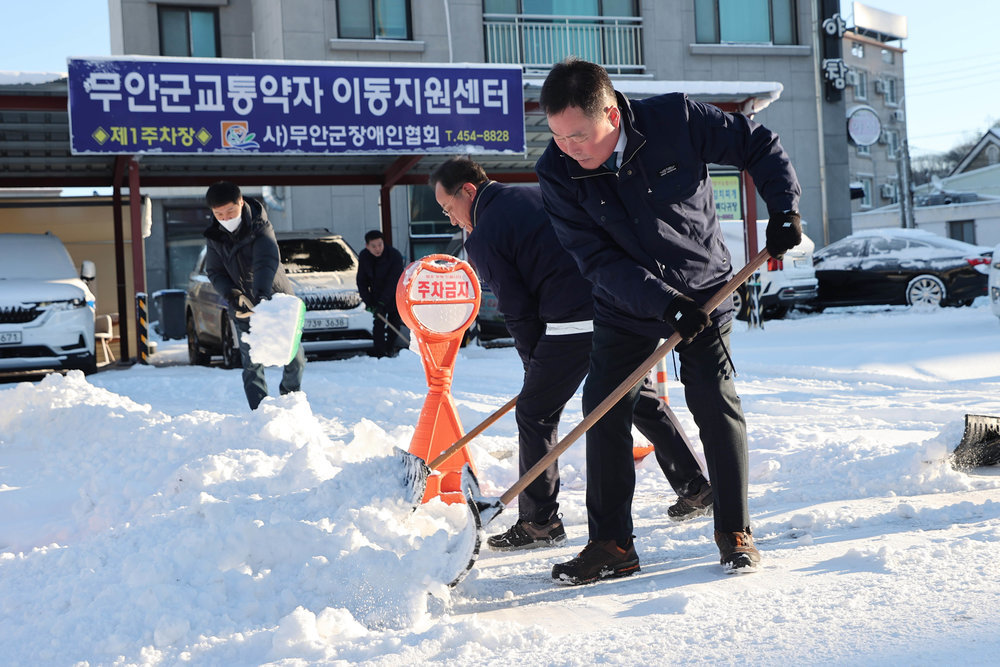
x: 46, y: 307
x: 784, y: 283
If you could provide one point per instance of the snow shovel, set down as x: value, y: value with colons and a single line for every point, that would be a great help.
x: 980, y: 445
x: 416, y: 471
x: 392, y: 328
x: 484, y: 510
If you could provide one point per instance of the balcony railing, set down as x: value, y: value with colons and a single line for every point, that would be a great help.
x: 540, y: 41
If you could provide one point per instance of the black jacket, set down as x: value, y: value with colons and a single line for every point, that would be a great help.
x: 247, y: 259
x: 515, y: 251
x: 377, y: 278
x: 649, y: 231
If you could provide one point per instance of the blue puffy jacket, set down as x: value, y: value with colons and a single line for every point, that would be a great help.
x: 648, y: 232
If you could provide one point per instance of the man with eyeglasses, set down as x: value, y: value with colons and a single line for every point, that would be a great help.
x: 548, y: 309
x: 626, y: 186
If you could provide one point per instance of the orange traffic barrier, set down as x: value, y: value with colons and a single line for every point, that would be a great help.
x: 438, y: 299
x: 659, y: 378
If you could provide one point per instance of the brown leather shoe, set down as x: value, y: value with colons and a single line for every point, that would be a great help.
x: 736, y: 550
x: 600, y: 559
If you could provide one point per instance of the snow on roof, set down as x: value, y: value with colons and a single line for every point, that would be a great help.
x: 8, y: 78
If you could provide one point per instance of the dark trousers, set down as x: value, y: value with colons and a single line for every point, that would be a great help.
x: 385, y: 340
x: 552, y: 375
x: 254, y: 383
x: 711, y: 397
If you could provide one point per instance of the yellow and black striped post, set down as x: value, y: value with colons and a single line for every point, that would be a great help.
x: 142, y: 330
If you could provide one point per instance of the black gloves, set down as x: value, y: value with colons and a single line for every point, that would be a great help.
x: 686, y: 317
x: 241, y: 305
x: 784, y: 232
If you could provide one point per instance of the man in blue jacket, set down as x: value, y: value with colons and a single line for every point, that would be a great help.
x: 548, y: 309
x: 626, y: 186
x: 243, y: 264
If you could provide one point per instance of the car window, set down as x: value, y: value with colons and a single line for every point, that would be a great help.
x: 843, y: 249
x: 316, y: 255
x: 886, y: 246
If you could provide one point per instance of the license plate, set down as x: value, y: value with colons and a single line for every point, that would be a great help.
x: 10, y: 337
x: 326, y: 323
x: 802, y: 263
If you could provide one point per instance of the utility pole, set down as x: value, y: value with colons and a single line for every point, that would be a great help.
x: 906, y: 194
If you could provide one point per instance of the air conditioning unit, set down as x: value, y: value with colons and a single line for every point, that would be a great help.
x: 883, y: 138
x: 899, y: 115
x: 852, y: 78
x: 887, y: 190
x: 880, y: 86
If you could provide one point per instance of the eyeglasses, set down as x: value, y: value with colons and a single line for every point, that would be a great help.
x: 445, y: 210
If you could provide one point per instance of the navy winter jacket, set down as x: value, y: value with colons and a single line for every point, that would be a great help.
x: 515, y: 251
x: 649, y: 231
x: 247, y: 259
x: 377, y: 277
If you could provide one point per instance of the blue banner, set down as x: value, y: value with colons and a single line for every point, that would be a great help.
x: 188, y: 105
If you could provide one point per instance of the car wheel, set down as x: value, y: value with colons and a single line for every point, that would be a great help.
x: 196, y: 354
x: 230, y: 349
x: 741, y: 304
x: 925, y: 290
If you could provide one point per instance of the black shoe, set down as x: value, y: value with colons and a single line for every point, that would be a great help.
x: 736, y: 550
x: 700, y: 504
x: 529, y: 535
x: 600, y: 559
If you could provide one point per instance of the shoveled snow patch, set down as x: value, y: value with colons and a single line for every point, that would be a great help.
x: 275, y: 329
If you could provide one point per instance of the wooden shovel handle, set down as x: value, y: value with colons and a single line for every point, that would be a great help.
x: 637, y: 375
x: 461, y: 442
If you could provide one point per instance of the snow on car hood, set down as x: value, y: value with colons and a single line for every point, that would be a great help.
x: 312, y: 283
x: 23, y: 290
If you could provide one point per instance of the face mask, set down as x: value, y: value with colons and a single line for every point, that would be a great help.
x: 231, y: 225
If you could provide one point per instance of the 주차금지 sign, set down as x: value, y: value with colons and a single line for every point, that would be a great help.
x: 190, y: 105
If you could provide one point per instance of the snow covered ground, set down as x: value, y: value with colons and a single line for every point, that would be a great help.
x: 147, y: 517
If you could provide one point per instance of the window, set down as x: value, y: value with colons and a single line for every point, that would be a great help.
x: 184, y: 231
x: 865, y: 151
x: 745, y: 21
x: 189, y: 32
x: 430, y: 230
x: 373, y: 19
x: 857, y: 49
x: 867, y: 183
x: 992, y: 154
x: 891, y: 143
x: 962, y: 230
x: 888, y: 56
x: 890, y: 91
x: 860, y: 84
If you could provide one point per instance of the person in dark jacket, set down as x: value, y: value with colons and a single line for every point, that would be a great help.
x: 626, y: 186
x: 548, y: 309
x: 243, y: 264
x: 379, y: 268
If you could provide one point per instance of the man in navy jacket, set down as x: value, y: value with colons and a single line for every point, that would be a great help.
x: 548, y: 309
x: 379, y: 268
x: 626, y: 186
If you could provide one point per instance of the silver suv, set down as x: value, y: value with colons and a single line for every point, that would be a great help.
x: 46, y: 306
x: 323, y: 270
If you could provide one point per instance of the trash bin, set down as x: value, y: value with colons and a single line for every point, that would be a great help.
x: 169, y: 305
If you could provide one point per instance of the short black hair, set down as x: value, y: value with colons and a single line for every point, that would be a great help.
x: 221, y: 193
x: 576, y: 83
x: 457, y: 171
x: 372, y: 235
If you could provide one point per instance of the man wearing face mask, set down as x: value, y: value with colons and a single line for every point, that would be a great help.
x: 243, y: 264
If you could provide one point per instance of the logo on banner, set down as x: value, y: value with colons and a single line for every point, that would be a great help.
x: 237, y: 134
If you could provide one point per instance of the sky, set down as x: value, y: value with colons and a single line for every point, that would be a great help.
x: 147, y: 517
x: 952, y: 65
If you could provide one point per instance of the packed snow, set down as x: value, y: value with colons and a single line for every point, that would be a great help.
x: 148, y: 517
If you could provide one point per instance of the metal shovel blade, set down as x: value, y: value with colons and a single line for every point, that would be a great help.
x: 415, y: 473
x: 980, y: 445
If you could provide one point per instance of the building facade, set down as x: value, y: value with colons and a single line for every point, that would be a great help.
x: 647, y: 45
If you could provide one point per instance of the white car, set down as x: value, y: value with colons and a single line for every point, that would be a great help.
x: 784, y: 283
x: 46, y: 306
x: 995, y: 281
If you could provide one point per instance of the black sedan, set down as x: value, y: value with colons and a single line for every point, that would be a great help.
x: 900, y: 267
